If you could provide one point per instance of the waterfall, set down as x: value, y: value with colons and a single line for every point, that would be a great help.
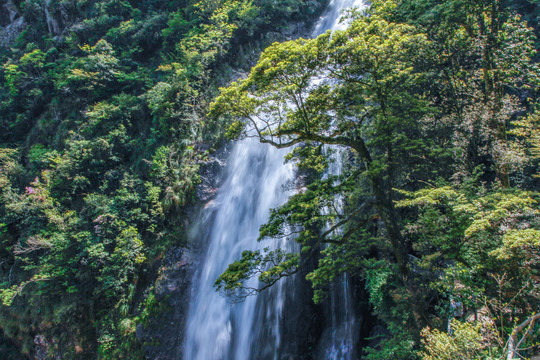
x: 338, y: 339
x: 255, y: 180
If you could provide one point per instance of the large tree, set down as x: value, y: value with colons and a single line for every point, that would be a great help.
x: 357, y: 89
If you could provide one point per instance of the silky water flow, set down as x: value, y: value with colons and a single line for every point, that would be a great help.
x: 255, y: 181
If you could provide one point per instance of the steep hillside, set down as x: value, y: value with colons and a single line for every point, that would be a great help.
x: 102, y: 121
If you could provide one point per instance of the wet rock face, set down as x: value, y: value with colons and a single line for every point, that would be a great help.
x: 163, y: 336
x: 8, y: 13
x: 211, y: 174
x: 57, y: 16
x: 303, y: 325
x: 11, y: 23
x: 5, y: 13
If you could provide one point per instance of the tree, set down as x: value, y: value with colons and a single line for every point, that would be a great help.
x: 356, y: 88
x: 482, y: 67
x: 466, y: 343
x: 486, y: 243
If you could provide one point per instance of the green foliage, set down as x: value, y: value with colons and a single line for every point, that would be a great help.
x: 268, y: 267
x: 491, y: 237
x: 399, y: 346
x: 466, y: 343
x: 310, y: 158
x: 519, y: 243
x: 527, y: 133
x: 377, y: 278
x: 7, y: 295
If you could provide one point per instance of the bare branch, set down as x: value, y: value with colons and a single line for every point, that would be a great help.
x: 33, y: 243
x: 512, y: 347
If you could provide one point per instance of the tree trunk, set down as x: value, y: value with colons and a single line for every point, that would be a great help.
x: 386, y: 207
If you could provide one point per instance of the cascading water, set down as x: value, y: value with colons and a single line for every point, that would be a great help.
x: 338, y: 339
x: 331, y: 19
x: 254, y: 182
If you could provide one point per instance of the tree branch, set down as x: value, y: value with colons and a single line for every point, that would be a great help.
x: 512, y: 347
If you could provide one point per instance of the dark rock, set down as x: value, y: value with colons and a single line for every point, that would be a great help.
x: 7, y: 13
x: 42, y: 347
x: 303, y: 320
x: 377, y: 334
x: 11, y: 23
x: 163, y: 336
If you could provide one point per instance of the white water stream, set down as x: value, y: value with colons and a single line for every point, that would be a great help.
x: 255, y: 181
